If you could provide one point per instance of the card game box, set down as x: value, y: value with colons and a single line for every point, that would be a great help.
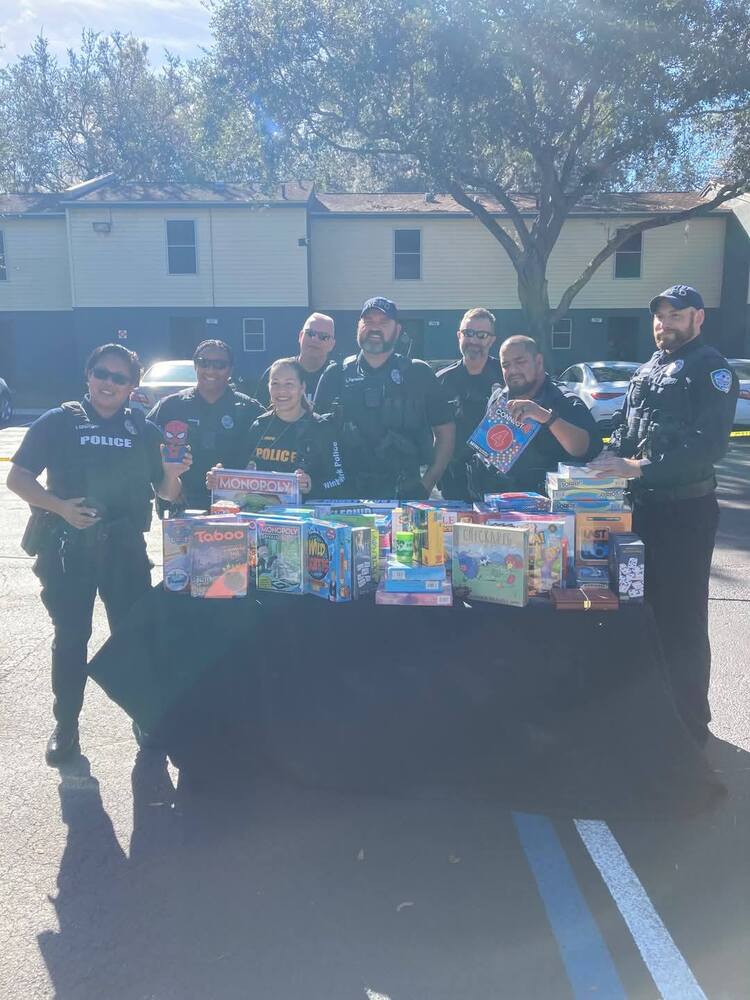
x: 364, y: 576
x: 490, y: 563
x: 328, y: 560
x: 627, y: 567
x: 499, y: 439
x: 218, y: 559
x: 442, y: 598
x: 280, y: 557
x: 254, y: 491
x: 427, y: 525
x: 592, y: 534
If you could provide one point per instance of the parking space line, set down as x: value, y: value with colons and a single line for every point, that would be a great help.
x: 669, y: 970
x: 587, y: 959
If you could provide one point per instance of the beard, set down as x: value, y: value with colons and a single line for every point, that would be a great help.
x: 671, y: 340
x: 520, y: 390
x: 372, y: 343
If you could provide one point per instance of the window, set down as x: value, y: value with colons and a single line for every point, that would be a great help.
x: 407, y: 245
x: 628, y: 257
x: 3, y: 270
x: 572, y: 375
x: 562, y: 335
x: 254, y: 334
x: 181, y: 247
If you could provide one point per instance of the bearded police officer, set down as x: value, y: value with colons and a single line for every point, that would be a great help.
x: 213, y: 418
x: 393, y: 414
x: 675, y: 425
x: 470, y: 383
x: 86, y: 530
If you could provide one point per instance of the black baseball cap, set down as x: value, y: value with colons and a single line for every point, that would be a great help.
x: 383, y: 304
x: 679, y: 296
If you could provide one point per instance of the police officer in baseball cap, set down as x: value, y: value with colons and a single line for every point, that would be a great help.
x: 394, y: 415
x: 675, y: 426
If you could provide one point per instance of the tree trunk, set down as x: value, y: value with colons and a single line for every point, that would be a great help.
x: 533, y: 294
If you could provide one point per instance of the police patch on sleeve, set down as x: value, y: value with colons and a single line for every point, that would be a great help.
x: 722, y: 379
x: 227, y: 422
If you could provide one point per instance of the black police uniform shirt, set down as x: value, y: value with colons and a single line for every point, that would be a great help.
x: 217, y: 434
x: 312, y: 380
x: 470, y: 394
x: 111, y: 462
x: 544, y: 452
x: 691, y: 396
x: 309, y: 444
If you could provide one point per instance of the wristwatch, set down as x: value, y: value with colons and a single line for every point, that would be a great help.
x: 553, y: 416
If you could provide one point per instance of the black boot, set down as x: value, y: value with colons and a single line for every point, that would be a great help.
x: 63, y: 743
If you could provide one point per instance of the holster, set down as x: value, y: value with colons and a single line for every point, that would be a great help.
x: 43, y: 532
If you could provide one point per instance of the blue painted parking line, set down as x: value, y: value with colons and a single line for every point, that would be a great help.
x: 587, y: 959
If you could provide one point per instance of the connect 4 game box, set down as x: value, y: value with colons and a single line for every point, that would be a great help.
x: 499, y: 439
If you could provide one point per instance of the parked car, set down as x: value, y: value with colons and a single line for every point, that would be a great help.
x: 601, y: 385
x: 6, y: 403
x: 742, y: 413
x: 160, y: 380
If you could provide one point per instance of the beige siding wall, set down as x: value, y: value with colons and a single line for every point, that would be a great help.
x: 352, y: 259
x: 245, y: 257
x: 36, y: 255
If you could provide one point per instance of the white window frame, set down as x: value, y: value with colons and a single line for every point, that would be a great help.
x: 246, y: 333
x: 403, y: 253
x: 630, y: 253
x: 181, y: 274
x: 3, y: 257
x: 563, y: 333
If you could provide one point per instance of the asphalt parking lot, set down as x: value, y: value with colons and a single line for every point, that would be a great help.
x: 116, y: 886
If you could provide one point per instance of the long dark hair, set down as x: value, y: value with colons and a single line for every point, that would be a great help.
x: 299, y: 371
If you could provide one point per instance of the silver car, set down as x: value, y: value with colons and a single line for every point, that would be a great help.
x: 742, y: 413
x: 601, y: 385
x: 162, y: 379
x: 6, y: 403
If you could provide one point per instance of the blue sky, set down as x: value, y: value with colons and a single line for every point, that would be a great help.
x: 179, y: 25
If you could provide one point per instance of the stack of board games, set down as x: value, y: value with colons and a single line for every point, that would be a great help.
x: 254, y: 491
x: 627, y: 567
x: 218, y: 558
x: 491, y: 563
x: 499, y: 439
x: 577, y: 488
x: 415, y: 572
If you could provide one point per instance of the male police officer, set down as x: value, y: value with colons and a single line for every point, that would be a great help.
x: 677, y: 418
x: 317, y: 339
x: 470, y: 382
x: 394, y: 414
x: 568, y: 432
x: 213, y: 418
x: 102, y: 459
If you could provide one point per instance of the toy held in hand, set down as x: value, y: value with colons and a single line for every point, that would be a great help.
x: 499, y: 439
x: 175, y: 441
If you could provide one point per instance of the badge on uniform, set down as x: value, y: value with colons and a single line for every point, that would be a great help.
x: 675, y: 367
x: 130, y: 426
x: 396, y: 376
x: 722, y: 379
x: 227, y: 422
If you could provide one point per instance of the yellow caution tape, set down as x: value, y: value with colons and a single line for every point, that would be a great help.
x: 733, y: 434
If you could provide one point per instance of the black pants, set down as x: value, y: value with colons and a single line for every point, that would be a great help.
x: 679, y: 538
x: 454, y: 484
x: 114, y: 563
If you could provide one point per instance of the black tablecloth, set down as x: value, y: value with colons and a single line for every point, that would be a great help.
x: 555, y: 711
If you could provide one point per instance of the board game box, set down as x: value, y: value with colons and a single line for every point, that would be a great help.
x: 627, y: 567
x: 490, y: 563
x: 218, y: 559
x: 175, y: 547
x: 254, y: 491
x: 435, y: 599
x: 280, y: 555
x: 395, y: 570
x: 427, y: 525
x: 592, y: 535
x: 364, y: 577
x: 499, y: 439
x: 328, y: 560
x: 364, y: 520
x: 591, y: 576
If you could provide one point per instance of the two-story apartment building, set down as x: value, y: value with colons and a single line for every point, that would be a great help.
x: 162, y: 266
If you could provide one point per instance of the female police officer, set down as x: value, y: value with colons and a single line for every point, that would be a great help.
x: 102, y: 460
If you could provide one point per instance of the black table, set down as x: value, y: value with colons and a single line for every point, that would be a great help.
x: 556, y: 711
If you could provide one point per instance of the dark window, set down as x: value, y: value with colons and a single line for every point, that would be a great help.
x: 254, y: 334
x: 628, y: 257
x: 3, y: 270
x: 562, y: 335
x: 572, y: 375
x: 408, y: 253
x: 181, y: 247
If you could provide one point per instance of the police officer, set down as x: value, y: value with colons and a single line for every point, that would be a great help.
x: 213, y: 418
x: 86, y: 530
x: 394, y: 415
x: 675, y: 425
x: 568, y: 432
x: 317, y: 339
x: 470, y: 382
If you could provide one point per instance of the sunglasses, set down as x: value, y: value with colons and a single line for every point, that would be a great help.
x: 105, y: 375
x: 324, y: 337
x: 219, y: 364
x: 476, y: 334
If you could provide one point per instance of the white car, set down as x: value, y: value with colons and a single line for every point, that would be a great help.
x: 162, y: 379
x: 742, y: 413
x: 601, y: 385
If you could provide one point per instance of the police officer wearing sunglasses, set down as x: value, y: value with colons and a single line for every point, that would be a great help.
x: 213, y: 418
x: 103, y: 463
x: 317, y: 339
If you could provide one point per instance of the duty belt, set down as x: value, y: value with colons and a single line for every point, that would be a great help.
x: 690, y: 491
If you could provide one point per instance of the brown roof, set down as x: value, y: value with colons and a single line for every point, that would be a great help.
x: 173, y: 194
x: 30, y: 204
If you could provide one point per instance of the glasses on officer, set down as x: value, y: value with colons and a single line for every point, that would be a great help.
x: 219, y: 364
x: 476, y: 334
x: 316, y: 334
x: 105, y: 375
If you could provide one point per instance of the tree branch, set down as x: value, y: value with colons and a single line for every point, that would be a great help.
x: 477, y: 209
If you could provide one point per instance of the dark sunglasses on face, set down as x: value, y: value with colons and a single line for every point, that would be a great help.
x: 476, y: 334
x: 220, y: 364
x: 105, y: 375
x: 323, y: 337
